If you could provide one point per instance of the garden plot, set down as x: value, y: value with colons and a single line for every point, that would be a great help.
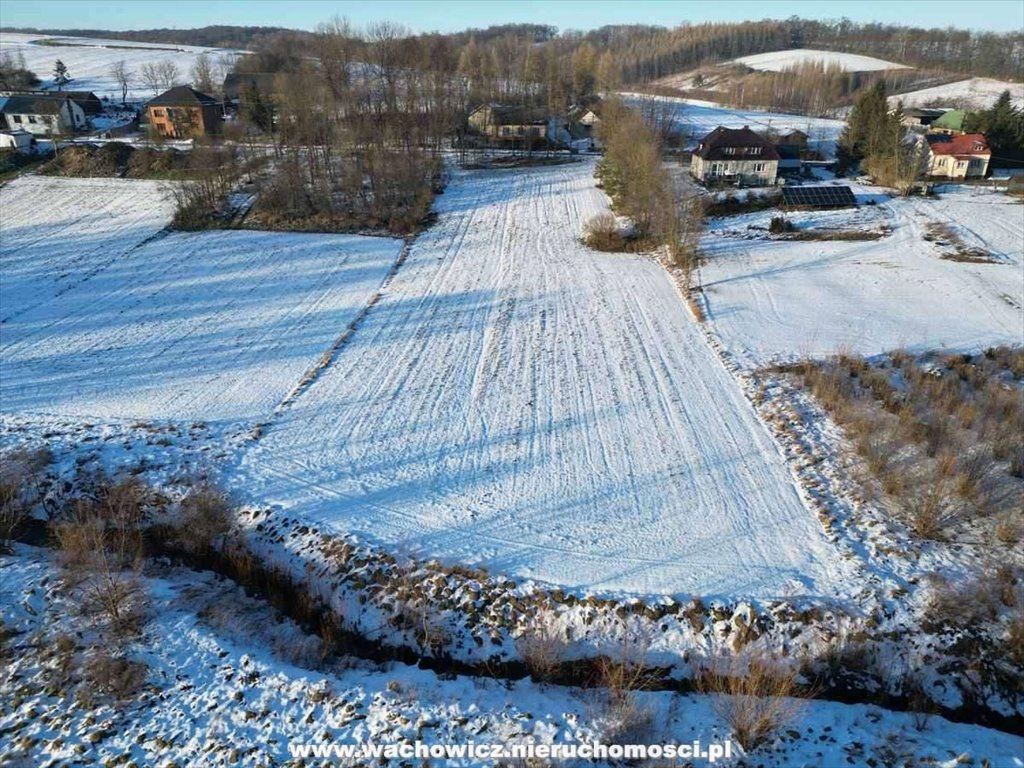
x: 105, y: 321
x: 519, y: 401
x: 770, y: 300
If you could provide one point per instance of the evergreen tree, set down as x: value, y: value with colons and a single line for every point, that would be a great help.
x: 60, y: 75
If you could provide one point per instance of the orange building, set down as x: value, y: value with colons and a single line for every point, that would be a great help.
x: 184, y: 112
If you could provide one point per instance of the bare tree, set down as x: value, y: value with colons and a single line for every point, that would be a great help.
x: 170, y: 75
x: 202, y: 73
x: 121, y: 74
x: 151, y: 76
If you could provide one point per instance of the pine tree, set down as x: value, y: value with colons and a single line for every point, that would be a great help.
x: 60, y: 75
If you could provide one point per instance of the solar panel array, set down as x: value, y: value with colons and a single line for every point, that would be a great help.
x: 818, y: 197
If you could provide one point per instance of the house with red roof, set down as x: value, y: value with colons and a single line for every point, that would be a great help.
x: 965, y: 156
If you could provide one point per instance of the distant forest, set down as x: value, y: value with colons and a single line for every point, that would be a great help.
x: 219, y: 36
x: 641, y: 54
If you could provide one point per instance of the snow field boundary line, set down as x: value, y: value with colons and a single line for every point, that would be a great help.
x: 311, y: 376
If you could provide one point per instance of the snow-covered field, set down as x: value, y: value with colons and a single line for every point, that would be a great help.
x: 88, y: 60
x: 777, y: 61
x: 105, y: 320
x: 977, y: 93
x: 697, y: 118
x: 773, y: 300
x: 519, y: 401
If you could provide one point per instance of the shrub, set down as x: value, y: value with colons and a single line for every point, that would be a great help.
x: 602, y: 233
x: 780, y: 224
x: 970, y: 602
x: 205, y: 515
x: 542, y: 648
x: 20, y: 472
x: 115, y: 676
x: 756, y: 699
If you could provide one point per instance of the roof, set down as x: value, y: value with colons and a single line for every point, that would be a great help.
x: 964, y: 144
x: 818, y: 197
x: 796, y: 132
x: 34, y: 104
x: 742, y: 140
x: 183, y: 96
x: 918, y: 112
x: 515, y: 115
x: 953, y: 120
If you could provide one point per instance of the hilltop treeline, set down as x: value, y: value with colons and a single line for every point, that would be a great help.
x: 643, y: 53
x: 215, y: 36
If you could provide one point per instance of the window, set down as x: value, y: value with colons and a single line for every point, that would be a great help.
x: 759, y: 167
x: 158, y: 113
x: 32, y: 118
x: 17, y: 118
x: 716, y: 169
x: 755, y: 150
x: 729, y: 151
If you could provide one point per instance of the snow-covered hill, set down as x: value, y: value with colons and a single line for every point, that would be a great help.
x: 777, y: 61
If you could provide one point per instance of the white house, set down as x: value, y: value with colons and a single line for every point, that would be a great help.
x: 735, y: 156
x: 43, y: 115
x: 958, y: 157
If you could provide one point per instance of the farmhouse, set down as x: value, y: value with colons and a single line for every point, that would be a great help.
x: 43, y: 114
x: 87, y: 100
x: 793, y: 139
x: 958, y: 157
x: 735, y: 155
x: 921, y: 118
x: 509, y: 124
x: 183, y: 112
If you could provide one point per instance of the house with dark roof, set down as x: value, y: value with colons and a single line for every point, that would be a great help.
x: 921, y: 118
x: 735, y: 155
x: 43, y: 114
x: 90, y: 103
x: 957, y: 157
x: 510, y: 124
x: 183, y: 112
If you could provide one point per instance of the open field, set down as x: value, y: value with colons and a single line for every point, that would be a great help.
x: 778, y: 61
x: 698, y: 118
x: 974, y: 93
x: 88, y: 60
x: 781, y: 300
x: 518, y: 401
x: 105, y: 321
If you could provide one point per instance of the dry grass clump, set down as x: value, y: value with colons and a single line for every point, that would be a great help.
x: 621, y: 678
x: 205, y: 514
x: 19, y: 489
x: 542, y: 648
x: 756, y: 697
x: 971, y: 601
x: 100, y: 541
x: 115, y: 676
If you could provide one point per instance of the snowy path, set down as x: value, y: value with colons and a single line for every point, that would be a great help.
x: 518, y: 401
x: 773, y: 300
x: 213, y: 326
